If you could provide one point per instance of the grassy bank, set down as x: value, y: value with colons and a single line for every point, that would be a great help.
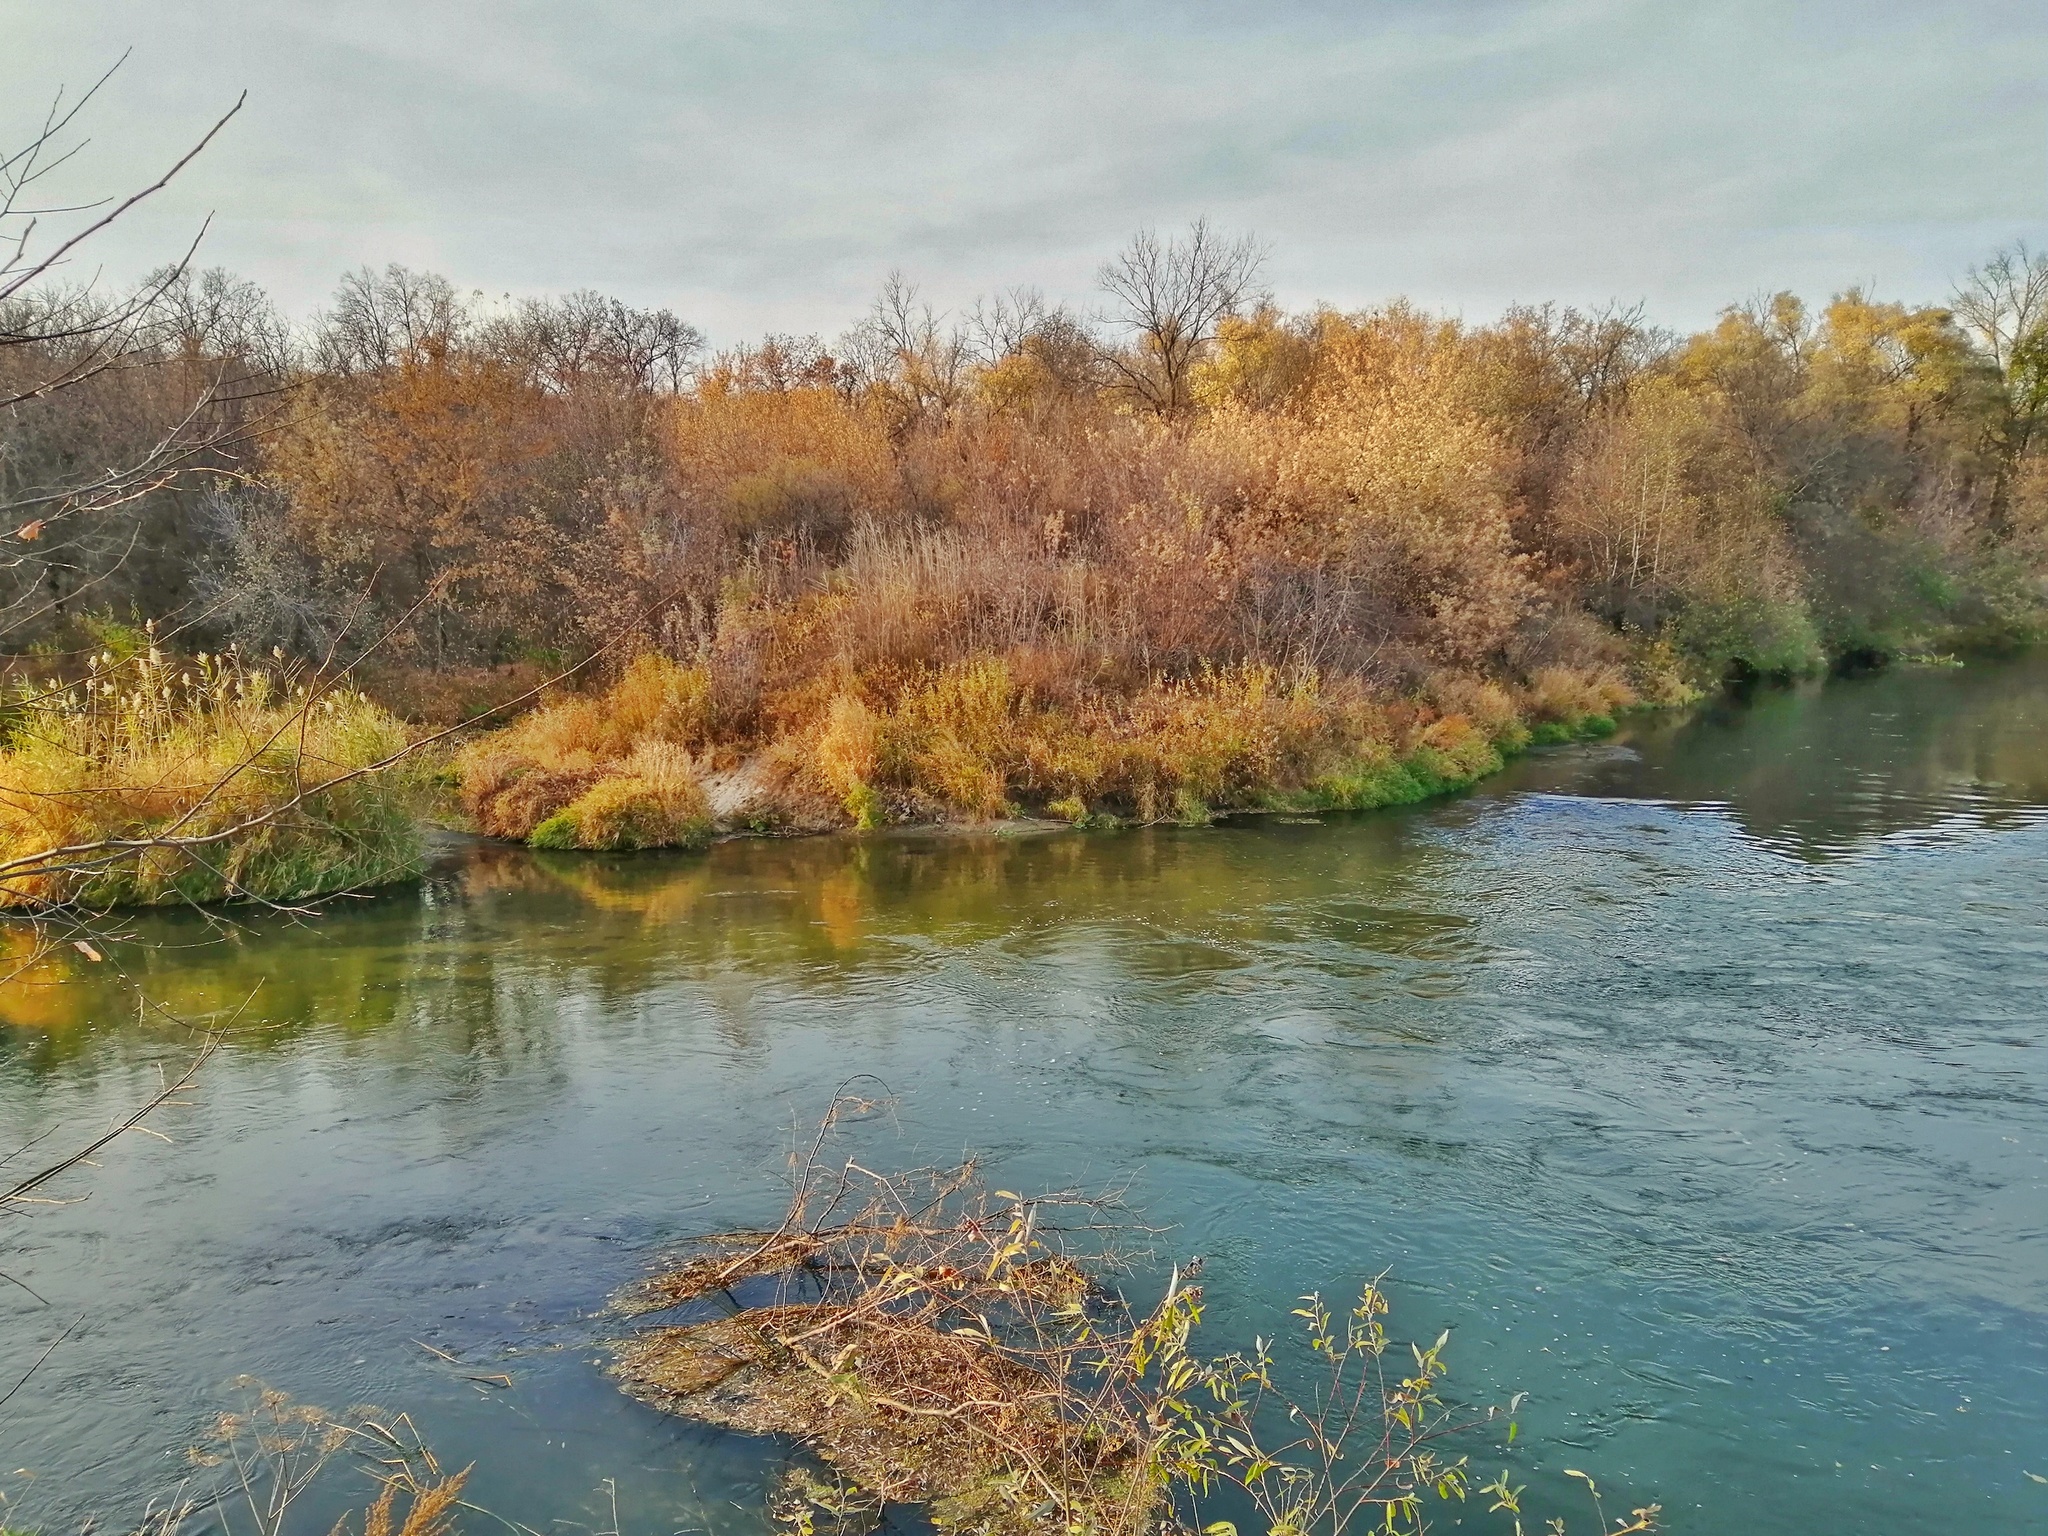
x: 209, y: 779
x: 154, y: 779
x: 644, y: 765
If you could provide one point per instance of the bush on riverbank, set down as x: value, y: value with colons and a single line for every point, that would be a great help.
x: 612, y: 771
x: 202, y: 780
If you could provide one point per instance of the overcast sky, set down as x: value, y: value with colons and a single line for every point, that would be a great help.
x: 762, y: 166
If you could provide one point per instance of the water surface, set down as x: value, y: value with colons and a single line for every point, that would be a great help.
x: 1694, y: 1080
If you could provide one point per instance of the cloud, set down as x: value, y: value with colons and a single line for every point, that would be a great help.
x: 763, y: 167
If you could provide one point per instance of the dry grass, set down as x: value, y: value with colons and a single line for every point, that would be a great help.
x: 972, y: 741
x: 649, y: 800
x: 999, y: 736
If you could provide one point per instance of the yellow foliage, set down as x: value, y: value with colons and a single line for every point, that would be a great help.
x: 1260, y: 362
x: 1568, y: 694
x: 1016, y: 384
x: 653, y: 800
x: 849, y: 750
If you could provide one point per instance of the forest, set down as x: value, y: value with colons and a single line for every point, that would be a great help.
x: 1179, y: 553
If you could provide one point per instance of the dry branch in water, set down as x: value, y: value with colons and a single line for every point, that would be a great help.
x: 939, y: 1343
x: 272, y: 1450
x: 932, y: 1340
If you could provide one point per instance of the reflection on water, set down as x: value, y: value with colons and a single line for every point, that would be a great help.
x: 1829, y: 770
x: 493, y: 921
x: 1693, y: 1080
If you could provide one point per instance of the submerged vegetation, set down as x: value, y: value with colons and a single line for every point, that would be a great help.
x: 1195, y: 555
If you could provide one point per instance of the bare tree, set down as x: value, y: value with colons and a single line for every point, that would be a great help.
x: 781, y: 362
x: 2004, y: 307
x: 1000, y: 326
x: 1170, y: 296
x: 904, y: 351
x: 99, y: 331
x: 1605, y: 350
x: 380, y: 319
x: 2004, y: 303
x: 214, y: 314
x: 58, y: 339
x: 585, y: 336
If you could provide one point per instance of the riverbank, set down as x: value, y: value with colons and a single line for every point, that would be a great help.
x: 639, y: 766
x: 643, y: 764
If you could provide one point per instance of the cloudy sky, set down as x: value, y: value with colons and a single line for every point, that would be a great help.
x: 763, y: 166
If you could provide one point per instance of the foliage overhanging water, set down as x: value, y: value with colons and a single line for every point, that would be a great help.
x: 1693, y: 1080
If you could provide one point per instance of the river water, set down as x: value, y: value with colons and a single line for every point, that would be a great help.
x: 1694, y: 1080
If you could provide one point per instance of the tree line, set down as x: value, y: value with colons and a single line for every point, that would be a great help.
x: 1189, y: 477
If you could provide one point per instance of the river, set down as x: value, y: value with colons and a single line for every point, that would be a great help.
x: 1694, y: 1080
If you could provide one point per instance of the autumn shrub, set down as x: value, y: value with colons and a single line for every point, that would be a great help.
x: 202, y: 780
x: 427, y: 481
x: 604, y: 770
x: 775, y: 463
x: 1572, y: 697
x: 793, y: 497
x: 651, y: 800
x: 953, y: 737
x: 847, y: 755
